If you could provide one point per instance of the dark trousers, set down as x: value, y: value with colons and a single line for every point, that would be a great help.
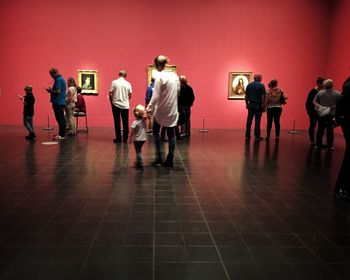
x: 313, y: 118
x: 187, y: 125
x: 343, y: 181
x: 124, y: 114
x: 253, y: 113
x: 273, y: 115
x: 171, y: 138
x: 325, y: 123
x: 138, y: 149
x: 59, y: 115
x: 28, y: 123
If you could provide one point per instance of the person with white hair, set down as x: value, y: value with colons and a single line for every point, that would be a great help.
x: 326, y: 98
x: 186, y: 100
x: 164, y: 103
x: 120, y: 94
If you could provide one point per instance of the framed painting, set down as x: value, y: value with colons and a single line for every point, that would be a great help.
x: 88, y: 81
x: 237, y: 83
x: 151, y: 70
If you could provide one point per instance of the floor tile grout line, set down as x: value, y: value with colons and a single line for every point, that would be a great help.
x: 296, y: 236
x: 183, y: 236
x: 205, y: 219
x: 97, y: 231
x: 240, y: 237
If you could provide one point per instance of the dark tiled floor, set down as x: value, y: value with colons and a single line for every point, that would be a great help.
x: 227, y: 210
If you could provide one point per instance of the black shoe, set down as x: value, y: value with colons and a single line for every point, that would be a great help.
x: 258, y: 138
x: 277, y: 139
x: 267, y: 139
x: 342, y: 194
x: 168, y: 163
x: 116, y: 140
x: 31, y: 136
x: 179, y: 138
x: 139, y: 166
x: 157, y: 162
x: 247, y: 138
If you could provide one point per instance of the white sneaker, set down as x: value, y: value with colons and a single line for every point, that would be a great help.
x: 58, y: 137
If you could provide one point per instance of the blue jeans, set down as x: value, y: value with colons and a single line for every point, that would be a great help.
x: 138, y: 149
x: 171, y: 138
x: 28, y: 123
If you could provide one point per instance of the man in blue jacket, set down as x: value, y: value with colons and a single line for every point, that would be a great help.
x: 58, y: 100
x: 148, y: 98
x: 254, y: 99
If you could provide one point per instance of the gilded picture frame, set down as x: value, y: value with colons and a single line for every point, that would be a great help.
x: 151, y: 69
x: 88, y: 81
x: 237, y: 84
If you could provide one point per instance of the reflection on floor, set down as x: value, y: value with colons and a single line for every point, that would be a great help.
x: 227, y: 210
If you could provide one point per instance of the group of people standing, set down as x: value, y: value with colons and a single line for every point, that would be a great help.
x: 259, y: 100
x: 168, y: 101
x: 328, y: 108
x: 168, y: 104
x: 64, y: 103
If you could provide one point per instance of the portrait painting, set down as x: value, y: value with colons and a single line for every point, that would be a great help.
x: 237, y: 83
x: 88, y: 81
x: 151, y: 70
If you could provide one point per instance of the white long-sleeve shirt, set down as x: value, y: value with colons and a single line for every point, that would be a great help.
x: 164, y: 98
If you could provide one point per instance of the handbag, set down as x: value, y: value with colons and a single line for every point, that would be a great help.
x: 283, y: 100
x: 323, y: 111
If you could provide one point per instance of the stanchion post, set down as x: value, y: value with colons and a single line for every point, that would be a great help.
x: 293, y: 131
x: 48, y: 124
x: 203, y: 130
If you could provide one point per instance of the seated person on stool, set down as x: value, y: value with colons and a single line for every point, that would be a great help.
x: 80, y: 104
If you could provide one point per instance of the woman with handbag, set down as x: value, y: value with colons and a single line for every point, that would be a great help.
x: 326, y: 98
x: 275, y: 98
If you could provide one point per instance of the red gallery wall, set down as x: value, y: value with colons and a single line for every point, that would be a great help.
x: 339, y: 44
x: 206, y: 39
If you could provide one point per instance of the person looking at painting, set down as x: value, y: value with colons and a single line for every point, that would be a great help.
x: 254, y: 100
x: 310, y: 108
x: 327, y: 98
x: 71, y: 99
x: 80, y: 105
x: 164, y: 104
x: 120, y: 93
x: 275, y: 98
x: 148, y: 97
x: 239, y: 89
x: 58, y: 100
x: 87, y: 83
x: 186, y: 99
